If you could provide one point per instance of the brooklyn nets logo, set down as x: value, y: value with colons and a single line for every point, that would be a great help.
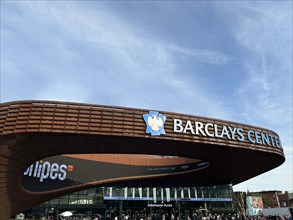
x: 155, y: 123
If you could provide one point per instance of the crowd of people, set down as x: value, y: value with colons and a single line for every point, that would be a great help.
x: 163, y: 215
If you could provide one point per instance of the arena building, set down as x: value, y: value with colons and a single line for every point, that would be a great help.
x: 52, y: 149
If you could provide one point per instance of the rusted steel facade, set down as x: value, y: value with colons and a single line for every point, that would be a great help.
x: 34, y: 130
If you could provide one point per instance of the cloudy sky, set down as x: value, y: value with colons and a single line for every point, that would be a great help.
x: 224, y: 59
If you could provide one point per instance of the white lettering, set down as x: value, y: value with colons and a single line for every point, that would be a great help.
x: 216, y: 131
x: 272, y: 140
x: 188, y: 127
x: 239, y: 132
x: 36, y: 169
x: 249, y: 136
x: 199, y: 128
x: 206, y: 128
x: 178, y: 125
x: 54, y: 168
x: 45, y: 171
x: 26, y: 172
x: 62, y: 170
x: 257, y: 137
x: 233, y: 131
x: 39, y: 170
x: 225, y: 132
x: 265, y: 139
x: 278, y: 142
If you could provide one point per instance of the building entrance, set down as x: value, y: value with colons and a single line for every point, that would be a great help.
x: 140, y: 203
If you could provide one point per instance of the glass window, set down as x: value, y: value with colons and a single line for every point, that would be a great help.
x: 63, y: 201
x: 54, y: 201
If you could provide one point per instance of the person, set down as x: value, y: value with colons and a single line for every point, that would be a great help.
x: 172, y: 216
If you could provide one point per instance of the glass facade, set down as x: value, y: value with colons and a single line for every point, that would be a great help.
x: 119, y: 201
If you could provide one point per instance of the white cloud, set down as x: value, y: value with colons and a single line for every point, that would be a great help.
x: 263, y: 30
x: 73, y: 53
x: 61, y: 91
x: 140, y: 62
x: 208, y: 56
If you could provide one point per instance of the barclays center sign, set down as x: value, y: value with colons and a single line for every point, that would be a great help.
x: 155, y: 126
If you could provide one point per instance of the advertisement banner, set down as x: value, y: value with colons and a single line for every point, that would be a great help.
x: 254, y: 205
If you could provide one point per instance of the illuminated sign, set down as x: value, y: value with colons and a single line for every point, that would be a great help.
x: 160, y: 205
x: 82, y: 202
x: 254, y: 205
x: 45, y: 170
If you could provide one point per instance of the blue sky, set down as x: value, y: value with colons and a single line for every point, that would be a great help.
x: 224, y: 59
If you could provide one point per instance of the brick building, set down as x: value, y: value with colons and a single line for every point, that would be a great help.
x: 275, y: 198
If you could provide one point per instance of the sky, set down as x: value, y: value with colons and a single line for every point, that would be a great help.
x: 229, y: 60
